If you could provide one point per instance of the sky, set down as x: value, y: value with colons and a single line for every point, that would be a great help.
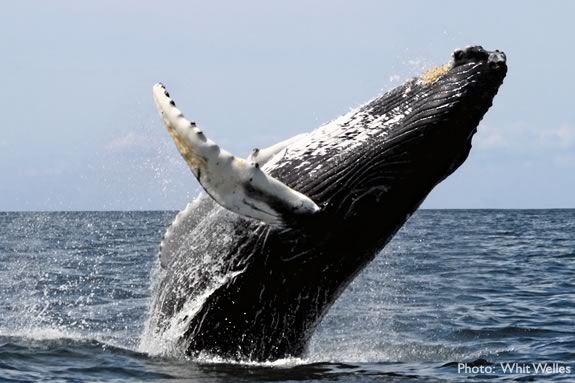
x: 79, y: 131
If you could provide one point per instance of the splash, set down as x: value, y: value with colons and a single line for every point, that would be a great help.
x: 181, y: 285
x: 156, y: 342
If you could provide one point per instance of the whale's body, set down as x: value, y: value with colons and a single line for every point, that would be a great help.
x: 242, y: 288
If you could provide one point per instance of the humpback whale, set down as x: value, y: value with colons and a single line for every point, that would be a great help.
x: 249, y: 269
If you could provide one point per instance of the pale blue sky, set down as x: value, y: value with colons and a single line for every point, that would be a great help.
x: 78, y: 129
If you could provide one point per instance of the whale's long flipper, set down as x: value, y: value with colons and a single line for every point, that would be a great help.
x: 236, y: 184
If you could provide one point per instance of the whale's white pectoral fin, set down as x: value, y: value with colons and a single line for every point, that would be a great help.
x: 236, y: 184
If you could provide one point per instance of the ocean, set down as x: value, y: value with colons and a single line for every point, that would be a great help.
x: 468, y: 295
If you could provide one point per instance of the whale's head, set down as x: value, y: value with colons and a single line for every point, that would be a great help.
x: 451, y: 99
x: 441, y: 110
x: 380, y: 161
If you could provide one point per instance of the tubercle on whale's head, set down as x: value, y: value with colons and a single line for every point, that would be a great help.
x: 479, y: 67
x: 495, y: 62
x: 452, y: 99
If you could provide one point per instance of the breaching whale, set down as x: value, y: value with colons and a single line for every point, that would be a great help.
x: 249, y: 270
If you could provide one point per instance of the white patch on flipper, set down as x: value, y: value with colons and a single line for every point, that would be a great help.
x: 236, y: 184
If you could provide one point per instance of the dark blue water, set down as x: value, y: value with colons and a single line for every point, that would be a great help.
x: 483, y: 287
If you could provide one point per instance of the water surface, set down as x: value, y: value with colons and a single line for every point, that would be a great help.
x: 482, y: 287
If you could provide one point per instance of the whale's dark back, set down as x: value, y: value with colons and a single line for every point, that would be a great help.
x: 368, y: 174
